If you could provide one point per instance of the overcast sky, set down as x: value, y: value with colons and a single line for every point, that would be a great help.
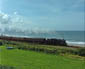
x: 42, y: 14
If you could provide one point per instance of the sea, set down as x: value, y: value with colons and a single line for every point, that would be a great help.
x: 73, y: 38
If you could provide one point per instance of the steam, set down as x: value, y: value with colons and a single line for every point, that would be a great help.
x: 4, y: 19
x: 10, y: 21
x: 16, y: 23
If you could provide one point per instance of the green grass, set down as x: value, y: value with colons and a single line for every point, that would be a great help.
x: 22, y: 59
x: 42, y: 48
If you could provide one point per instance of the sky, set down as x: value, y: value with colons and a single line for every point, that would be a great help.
x: 42, y: 14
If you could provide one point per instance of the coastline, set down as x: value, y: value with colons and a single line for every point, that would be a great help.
x: 79, y: 44
x: 43, y: 41
x: 69, y: 43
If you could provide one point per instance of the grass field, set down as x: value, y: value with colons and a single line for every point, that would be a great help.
x: 21, y: 59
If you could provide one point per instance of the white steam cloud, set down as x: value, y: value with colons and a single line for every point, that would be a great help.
x: 18, y: 23
x: 10, y: 21
x: 4, y: 18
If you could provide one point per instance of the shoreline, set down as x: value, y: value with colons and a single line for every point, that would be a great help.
x: 69, y: 43
x: 44, y: 41
x: 79, y: 44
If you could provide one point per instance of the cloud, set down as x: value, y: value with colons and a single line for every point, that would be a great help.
x: 17, y: 22
x: 15, y: 13
x: 10, y: 21
x: 4, y: 18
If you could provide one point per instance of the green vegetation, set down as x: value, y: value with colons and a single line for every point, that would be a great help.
x: 34, y: 60
x: 45, y: 48
x: 82, y: 51
x: 6, y: 67
x: 31, y: 56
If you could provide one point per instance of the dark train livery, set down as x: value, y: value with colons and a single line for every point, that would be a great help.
x: 45, y: 41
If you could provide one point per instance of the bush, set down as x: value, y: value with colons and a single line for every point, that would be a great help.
x: 6, y: 67
x: 82, y: 51
x: 47, y: 48
x: 0, y: 43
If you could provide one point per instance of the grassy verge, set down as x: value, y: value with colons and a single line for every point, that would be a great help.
x: 45, y: 48
x: 34, y: 56
x: 22, y: 59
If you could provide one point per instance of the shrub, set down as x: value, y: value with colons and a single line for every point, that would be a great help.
x: 0, y: 43
x: 6, y: 67
x: 82, y: 51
